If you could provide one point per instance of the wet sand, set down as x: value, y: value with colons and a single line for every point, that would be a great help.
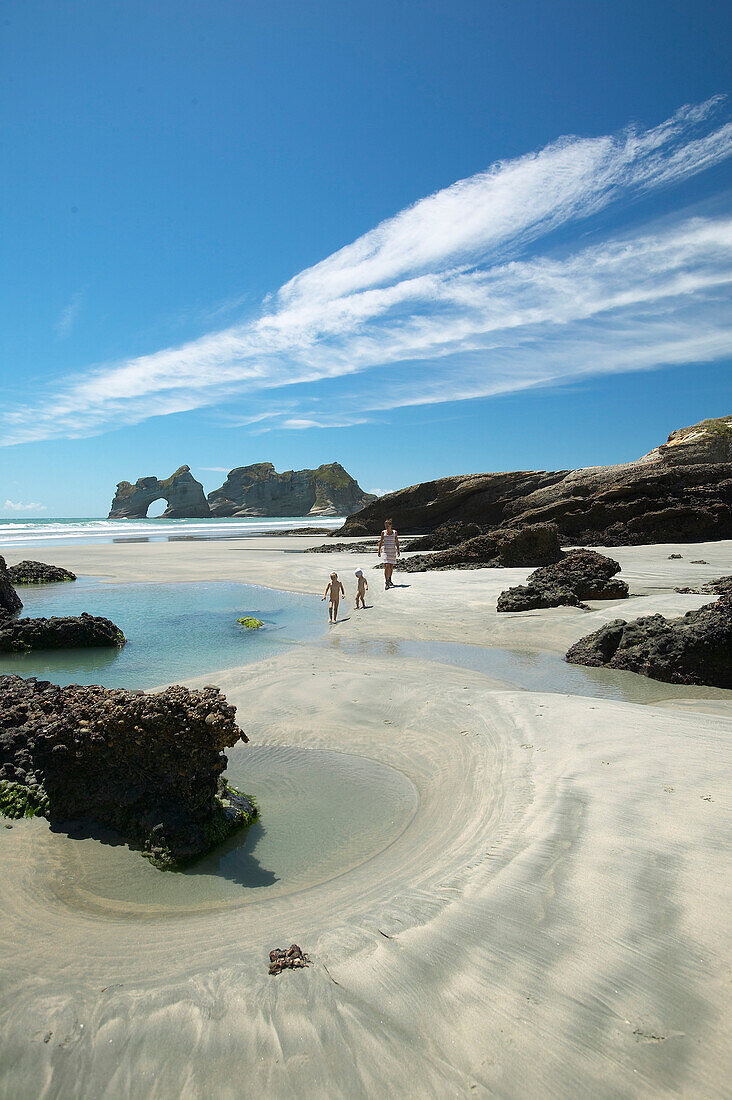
x: 551, y: 921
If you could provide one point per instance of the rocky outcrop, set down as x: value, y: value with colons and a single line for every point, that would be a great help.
x: 695, y: 649
x: 721, y: 587
x: 533, y: 545
x: 10, y: 601
x: 580, y: 575
x: 681, y: 491
x: 182, y: 493
x: 64, y: 632
x: 37, y: 572
x: 147, y: 766
x: 258, y: 490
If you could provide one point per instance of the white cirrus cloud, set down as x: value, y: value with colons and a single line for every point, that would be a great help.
x: 467, y: 293
x: 69, y: 315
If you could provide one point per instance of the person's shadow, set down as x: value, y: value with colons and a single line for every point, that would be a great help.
x: 400, y: 585
x: 347, y: 619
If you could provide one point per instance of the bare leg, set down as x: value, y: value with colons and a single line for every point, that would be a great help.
x: 330, y: 611
x: 335, y: 611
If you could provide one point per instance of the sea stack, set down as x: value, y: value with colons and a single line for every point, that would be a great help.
x: 258, y: 490
x: 183, y: 494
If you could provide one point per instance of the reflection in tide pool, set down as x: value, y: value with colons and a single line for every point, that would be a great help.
x: 174, y: 631
x: 322, y: 814
x: 531, y: 671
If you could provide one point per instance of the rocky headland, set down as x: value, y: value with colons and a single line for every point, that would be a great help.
x: 146, y: 766
x: 37, y: 572
x: 256, y: 490
x: 694, y: 649
x: 681, y: 491
x: 580, y: 575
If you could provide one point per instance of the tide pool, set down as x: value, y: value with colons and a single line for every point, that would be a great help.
x: 174, y: 631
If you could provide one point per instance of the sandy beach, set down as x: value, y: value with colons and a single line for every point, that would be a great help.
x: 552, y: 920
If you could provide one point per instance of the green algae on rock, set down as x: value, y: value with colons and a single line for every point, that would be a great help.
x: 63, y: 632
x: 148, y: 767
x: 250, y: 623
x: 38, y: 572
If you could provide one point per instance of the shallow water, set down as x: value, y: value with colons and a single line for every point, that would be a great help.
x: 532, y: 671
x: 322, y: 813
x: 174, y: 631
x: 67, y: 532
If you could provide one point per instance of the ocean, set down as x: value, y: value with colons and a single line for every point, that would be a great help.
x: 33, y: 532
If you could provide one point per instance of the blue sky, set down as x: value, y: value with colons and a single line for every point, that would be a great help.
x: 420, y: 238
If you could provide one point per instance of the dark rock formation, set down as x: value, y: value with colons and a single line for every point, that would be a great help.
x: 291, y: 959
x: 721, y: 587
x: 10, y: 601
x: 66, y: 632
x: 369, y: 547
x: 580, y: 575
x: 147, y: 766
x: 183, y: 494
x: 671, y: 557
x: 258, y: 490
x: 695, y: 649
x: 682, y: 491
x: 534, y: 545
x: 448, y: 535
x: 37, y: 572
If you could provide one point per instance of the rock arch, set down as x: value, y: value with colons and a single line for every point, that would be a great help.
x: 181, y: 492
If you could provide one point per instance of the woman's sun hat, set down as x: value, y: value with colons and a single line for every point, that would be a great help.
x: 359, y: 572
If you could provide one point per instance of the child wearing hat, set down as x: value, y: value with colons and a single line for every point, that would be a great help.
x: 361, y: 588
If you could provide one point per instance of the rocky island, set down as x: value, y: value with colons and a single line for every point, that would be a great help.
x: 681, y: 491
x: 146, y: 766
x: 256, y: 490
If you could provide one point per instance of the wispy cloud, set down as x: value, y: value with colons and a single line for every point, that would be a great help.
x: 21, y: 506
x: 454, y: 298
x: 69, y: 315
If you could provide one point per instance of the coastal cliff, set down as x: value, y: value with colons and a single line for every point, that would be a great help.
x: 256, y: 490
x: 680, y: 491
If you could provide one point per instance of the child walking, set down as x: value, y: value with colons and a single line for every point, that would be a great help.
x: 362, y: 587
x: 334, y: 588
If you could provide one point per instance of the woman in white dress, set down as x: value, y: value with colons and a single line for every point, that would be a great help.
x: 389, y: 543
